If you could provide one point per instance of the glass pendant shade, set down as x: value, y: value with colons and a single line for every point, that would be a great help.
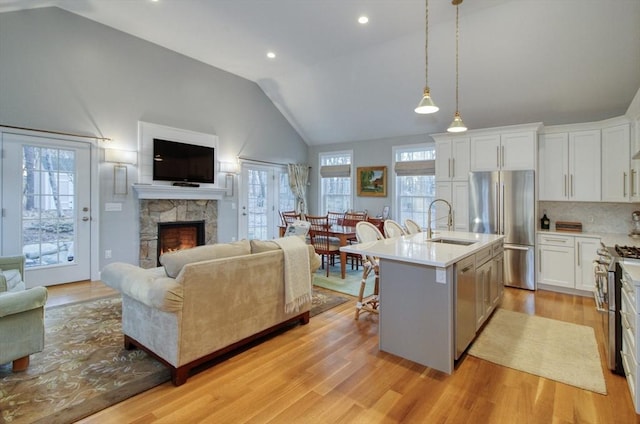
x: 426, y: 105
x: 457, y: 125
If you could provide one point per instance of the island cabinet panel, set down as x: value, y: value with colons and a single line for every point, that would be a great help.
x: 417, y: 319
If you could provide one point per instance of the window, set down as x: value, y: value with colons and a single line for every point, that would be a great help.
x: 335, y: 186
x: 415, y: 181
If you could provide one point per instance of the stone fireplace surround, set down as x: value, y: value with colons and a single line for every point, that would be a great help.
x: 153, y: 211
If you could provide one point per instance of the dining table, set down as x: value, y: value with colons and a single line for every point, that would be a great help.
x: 343, y: 233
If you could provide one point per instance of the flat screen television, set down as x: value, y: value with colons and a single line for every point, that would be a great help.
x: 181, y: 162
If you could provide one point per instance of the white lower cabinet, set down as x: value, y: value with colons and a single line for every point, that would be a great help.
x: 630, y: 325
x: 586, y: 251
x: 566, y: 261
x: 489, y: 281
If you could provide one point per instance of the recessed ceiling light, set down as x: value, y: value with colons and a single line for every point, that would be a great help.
x: 363, y: 20
x: 271, y: 55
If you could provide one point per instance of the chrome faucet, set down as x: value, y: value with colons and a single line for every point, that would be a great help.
x: 449, y: 217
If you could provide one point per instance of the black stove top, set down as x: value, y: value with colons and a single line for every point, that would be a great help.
x: 630, y: 252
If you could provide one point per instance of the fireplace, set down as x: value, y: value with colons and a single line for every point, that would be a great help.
x: 179, y: 235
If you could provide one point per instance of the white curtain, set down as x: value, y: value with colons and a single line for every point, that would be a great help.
x: 298, y: 179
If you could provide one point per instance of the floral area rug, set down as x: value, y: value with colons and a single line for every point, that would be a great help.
x: 84, y: 367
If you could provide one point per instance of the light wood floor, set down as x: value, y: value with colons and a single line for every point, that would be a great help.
x: 331, y: 371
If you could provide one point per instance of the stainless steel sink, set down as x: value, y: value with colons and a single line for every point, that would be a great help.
x: 452, y: 241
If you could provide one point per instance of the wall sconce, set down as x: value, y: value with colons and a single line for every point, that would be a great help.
x: 229, y: 169
x: 121, y: 158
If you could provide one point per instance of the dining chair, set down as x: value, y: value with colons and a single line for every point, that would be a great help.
x: 352, y: 218
x: 412, y: 226
x: 335, y: 218
x: 367, y: 232
x: 324, y: 245
x: 393, y: 229
x: 288, y: 217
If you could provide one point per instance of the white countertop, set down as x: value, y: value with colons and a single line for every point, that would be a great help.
x: 417, y: 249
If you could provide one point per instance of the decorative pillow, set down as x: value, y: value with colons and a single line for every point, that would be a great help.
x: 174, y: 261
x: 259, y: 246
x: 11, y: 280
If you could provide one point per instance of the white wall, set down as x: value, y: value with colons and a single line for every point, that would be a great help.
x: 62, y: 72
x: 365, y: 153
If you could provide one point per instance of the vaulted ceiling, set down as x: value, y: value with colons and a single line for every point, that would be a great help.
x: 335, y: 80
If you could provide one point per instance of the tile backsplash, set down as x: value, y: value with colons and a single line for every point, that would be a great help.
x: 595, y: 217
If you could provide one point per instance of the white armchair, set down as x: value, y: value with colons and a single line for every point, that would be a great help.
x: 21, y: 315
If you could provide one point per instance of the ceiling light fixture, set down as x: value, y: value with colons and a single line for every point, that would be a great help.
x: 457, y: 125
x: 271, y: 55
x: 363, y: 20
x: 426, y: 105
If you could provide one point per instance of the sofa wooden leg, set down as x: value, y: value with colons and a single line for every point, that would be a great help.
x: 304, y: 319
x: 179, y: 375
x: 128, y: 344
x: 21, y: 364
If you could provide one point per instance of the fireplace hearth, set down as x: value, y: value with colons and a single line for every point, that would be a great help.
x: 157, y: 211
x: 179, y: 235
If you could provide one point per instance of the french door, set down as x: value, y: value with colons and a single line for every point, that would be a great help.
x: 264, y: 191
x: 46, y: 188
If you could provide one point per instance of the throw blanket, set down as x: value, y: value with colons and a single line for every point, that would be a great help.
x: 297, y: 278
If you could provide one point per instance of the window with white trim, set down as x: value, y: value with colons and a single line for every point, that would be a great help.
x: 335, y: 181
x: 415, y: 181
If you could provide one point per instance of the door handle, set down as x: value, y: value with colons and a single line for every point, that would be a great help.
x: 632, y: 183
x: 624, y: 184
x: 84, y: 218
x: 498, y: 156
x: 571, y: 184
x: 502, y: 150
x: 540, y: 261
x: 515, y: 248
x: 564, y: 192
x: 502, y: 212
x: 453, y: 167
x: 497, y: 210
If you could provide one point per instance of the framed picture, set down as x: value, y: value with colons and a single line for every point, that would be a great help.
x: 372, y: 181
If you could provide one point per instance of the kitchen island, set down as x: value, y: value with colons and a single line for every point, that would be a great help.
x: 435, y: 293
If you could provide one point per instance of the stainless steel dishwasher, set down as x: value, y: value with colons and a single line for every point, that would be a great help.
x: 465, y: 304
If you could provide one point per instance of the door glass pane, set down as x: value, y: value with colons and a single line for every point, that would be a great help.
x: 48, y: 212
x: 257, y: 204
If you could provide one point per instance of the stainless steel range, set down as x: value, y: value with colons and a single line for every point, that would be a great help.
x: 608, y: 276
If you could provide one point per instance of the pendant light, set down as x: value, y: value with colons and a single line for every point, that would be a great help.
x: 426, y: 105
x: 457, y: 125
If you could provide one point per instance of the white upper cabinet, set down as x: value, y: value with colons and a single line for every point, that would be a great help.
x: 569, y: 166
x: 618, y: 178
x: 584, y: 166
x: 452, y: 158
x: 503, y: 151
x: 457, y: 194
x: 553, y: 166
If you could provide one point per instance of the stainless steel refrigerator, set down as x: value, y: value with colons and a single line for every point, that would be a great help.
x: 503, y: 202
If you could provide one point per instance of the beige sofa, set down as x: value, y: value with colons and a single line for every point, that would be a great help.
x: 206, y: 301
